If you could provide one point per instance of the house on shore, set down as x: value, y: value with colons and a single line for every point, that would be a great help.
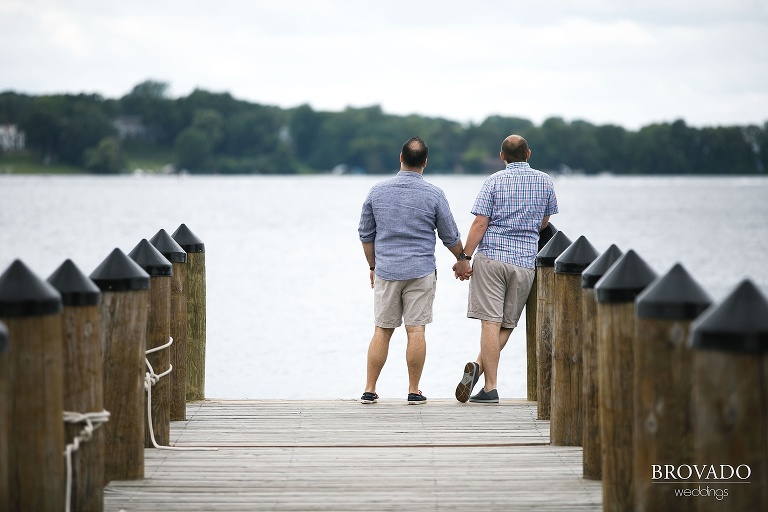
x: 11, y: 138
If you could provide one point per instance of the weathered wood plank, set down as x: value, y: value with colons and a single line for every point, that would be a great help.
x: 342, y: 455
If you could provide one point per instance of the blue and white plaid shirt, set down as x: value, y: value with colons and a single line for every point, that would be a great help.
x: 515, y: 200
x: 400, y: 215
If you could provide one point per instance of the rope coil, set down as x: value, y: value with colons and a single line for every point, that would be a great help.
x: 150, y: 379
x: 92, y: 420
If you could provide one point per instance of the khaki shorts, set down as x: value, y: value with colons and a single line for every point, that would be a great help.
x: 498, y: 291
x: 398, y: 301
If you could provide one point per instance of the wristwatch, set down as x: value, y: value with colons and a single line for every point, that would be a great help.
x: 463, y: 256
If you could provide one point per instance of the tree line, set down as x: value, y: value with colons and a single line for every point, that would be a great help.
x: 208, y: 132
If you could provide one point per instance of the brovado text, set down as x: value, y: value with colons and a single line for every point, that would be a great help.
x: 685, y: 472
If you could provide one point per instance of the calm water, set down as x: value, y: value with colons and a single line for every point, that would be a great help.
x: 289, y: 304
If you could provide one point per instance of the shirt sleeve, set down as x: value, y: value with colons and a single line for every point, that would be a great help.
x: 484, y: 201
x: 367, y: 228
x: 447, y: 229
x: 551, y: 201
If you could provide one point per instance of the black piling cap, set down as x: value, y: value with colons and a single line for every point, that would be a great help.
x: 151, y: 260
x: 600, y: 266
x: 554, y: 248
x: 578, y: 256
x: 187, y: 240
x: 624, y: 281
x: 3, y: 338
x: 119, y: 273
x: 674, y: 296
x: 76, y: 288
x: 546, y: 234
x: 739, y: 323
x: 168, y: 247
x: 22, y: 293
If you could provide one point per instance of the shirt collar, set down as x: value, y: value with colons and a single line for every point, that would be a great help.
x: 517, y: 166
x: 410, y: 173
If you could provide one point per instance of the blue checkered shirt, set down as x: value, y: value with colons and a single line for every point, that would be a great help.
x: 400, y: 215
x: 515, y: 200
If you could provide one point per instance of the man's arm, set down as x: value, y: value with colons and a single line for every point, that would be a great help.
x: 476, y: 233
x: 457, y: 249
x: 463, y: 269
x: 544, y: 223
x: 370, y: 255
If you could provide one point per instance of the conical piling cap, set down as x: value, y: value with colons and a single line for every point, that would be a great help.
x: 739, y: 323
x: 625, y: 279
x: 168, y: 247
x: 76, y: 288
x: 674, y: 296
x: 22, y: 293
x: 119, y: 273
x: 151, y: 260
x: 546, y: 234
x: 3, y: 337
x: 577, y: 257
x: 600, y: 266
x: 554, y: 248
x: 187, y: 240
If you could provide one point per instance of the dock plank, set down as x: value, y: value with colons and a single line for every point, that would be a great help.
x: 345, y: 456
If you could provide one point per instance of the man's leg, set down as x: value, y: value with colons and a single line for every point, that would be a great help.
x: 490, y: 350
x: 377, y: 355
x: 504, y: 334
x: 415, y: 355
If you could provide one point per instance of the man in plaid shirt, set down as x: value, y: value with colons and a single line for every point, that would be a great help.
x: 513, y: 206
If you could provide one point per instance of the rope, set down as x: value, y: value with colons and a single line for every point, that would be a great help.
x: 92, y: 420
x: 150, y: 379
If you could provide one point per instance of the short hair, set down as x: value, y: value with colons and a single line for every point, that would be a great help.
x: 515, y: 149
x: 415, y: 152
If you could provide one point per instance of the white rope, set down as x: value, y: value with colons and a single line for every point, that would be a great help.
x: 92, y: 420
x: 161, y: 347
x: 150, y: 379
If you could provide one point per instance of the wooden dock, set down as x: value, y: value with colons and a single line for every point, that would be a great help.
x: 342, y: 456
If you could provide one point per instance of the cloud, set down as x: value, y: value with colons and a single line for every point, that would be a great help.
x: 603, y: 61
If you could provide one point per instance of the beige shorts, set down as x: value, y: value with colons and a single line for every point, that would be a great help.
x: 398, y: 301
x: 498, y: 291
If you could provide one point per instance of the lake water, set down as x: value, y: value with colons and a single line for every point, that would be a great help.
x: 289, y: 303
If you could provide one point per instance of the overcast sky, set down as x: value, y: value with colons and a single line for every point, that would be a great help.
x: 605, y: 61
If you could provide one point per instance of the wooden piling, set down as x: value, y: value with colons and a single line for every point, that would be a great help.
x: 31, y: 309
x: 663, y: 380
x: 530, y: 322
x: 124, y: 302
x: 591, y: 454
x: 730, y: 342
x: 5, y: 419
x: 160, y: 273
x: 174, y: 253
x: 545, y: 296
x: 84, y: 380
x: 566, y: 414
x: 196, y: 311
x: 616, y: 292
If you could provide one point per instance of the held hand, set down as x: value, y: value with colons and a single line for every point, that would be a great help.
x: 462, y: 270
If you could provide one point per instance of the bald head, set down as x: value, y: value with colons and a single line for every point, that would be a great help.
x: 514, y: 149
x: 414, y: 154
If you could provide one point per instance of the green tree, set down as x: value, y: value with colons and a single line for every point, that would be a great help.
x: 194, y: 150
x: 304, y: 126
x: 251, y: 132
x: 43, y: 130
x: 210, y: 122
x: 83, y: 127
x: 106, y: 158
x: 150, y: 89
x: 150, y: 101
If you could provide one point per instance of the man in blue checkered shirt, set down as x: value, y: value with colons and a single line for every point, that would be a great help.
x: 513, y: 206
